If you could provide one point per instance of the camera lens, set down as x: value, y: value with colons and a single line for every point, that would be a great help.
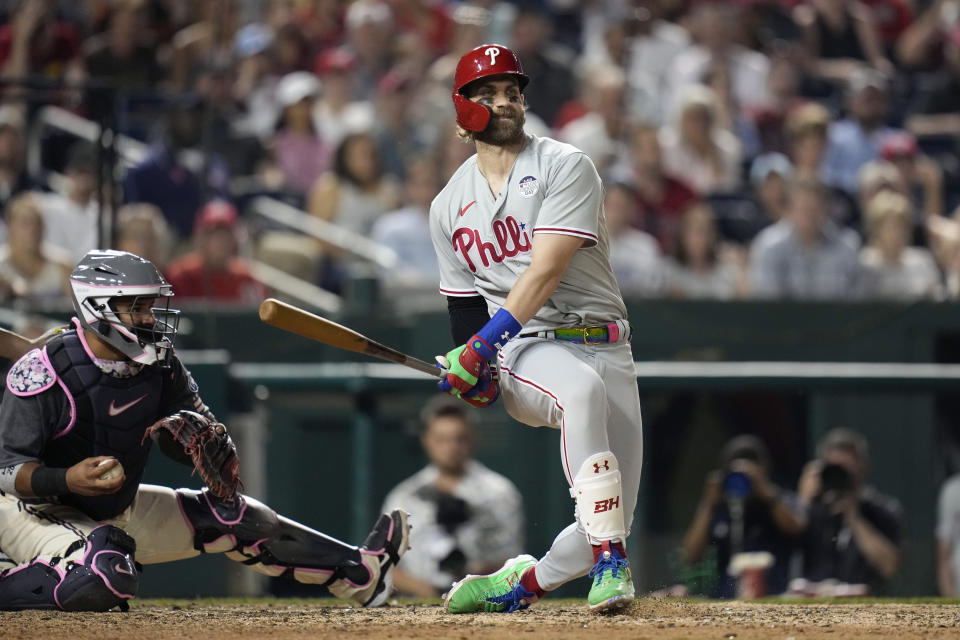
x: 736, y: 484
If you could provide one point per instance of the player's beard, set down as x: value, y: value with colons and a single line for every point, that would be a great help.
x: 505, y: 128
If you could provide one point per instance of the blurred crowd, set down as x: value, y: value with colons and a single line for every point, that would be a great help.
x: 779, y: 149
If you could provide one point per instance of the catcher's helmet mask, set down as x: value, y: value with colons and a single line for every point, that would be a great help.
x: 107, y: 289
x: 485, y: 61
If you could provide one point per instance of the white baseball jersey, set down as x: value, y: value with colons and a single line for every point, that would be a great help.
x: 484, y: 241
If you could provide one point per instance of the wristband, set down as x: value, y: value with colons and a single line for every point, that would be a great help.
x: 497, y: 332
x: 47, y: 481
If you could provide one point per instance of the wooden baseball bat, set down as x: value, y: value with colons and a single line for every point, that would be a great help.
x: 296, y: 320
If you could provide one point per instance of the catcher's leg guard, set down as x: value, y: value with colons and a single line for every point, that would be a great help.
x: 597, y: 490
x: 104, y: 578
x: 250, y: 532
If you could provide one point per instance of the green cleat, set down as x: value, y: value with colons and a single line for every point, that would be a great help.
x: 612, y: 585
x: 498, y: 592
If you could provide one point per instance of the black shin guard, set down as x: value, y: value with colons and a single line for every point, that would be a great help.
x: 250, y: 532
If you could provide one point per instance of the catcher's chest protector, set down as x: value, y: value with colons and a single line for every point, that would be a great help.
x: 109, y: 418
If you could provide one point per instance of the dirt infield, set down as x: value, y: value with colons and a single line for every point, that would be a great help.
x: 558, y: 620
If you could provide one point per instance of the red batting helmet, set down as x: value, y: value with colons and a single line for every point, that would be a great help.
x: 480, y: 62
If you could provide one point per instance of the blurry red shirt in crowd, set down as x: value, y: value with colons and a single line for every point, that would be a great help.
x: 660, y: 216
x: 213, y: 269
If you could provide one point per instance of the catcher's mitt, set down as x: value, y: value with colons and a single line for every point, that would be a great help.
x: 208, y: 445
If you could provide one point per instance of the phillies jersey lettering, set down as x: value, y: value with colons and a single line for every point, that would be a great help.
x: 509, y: 240
x: 484, y: 241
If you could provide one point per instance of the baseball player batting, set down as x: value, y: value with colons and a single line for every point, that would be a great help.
x: 524, y: 263
x: 76, y: 425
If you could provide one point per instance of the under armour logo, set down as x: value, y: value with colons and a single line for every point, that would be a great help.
x: 606, y: 505
x: 493, y: 52
x: 505, y: 335
x: 597, y: 465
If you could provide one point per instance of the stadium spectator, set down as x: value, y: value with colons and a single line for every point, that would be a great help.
x: 934, y: 109
x: 743, y: 510
x: 371, y: 39
x: 948, y: 538
x: 200, y: 43
x: 889, y: 268
x: 599, y: 130
x: 854, y: 533
x: 875, y: 177
x: 14, y: 178
x: 840, y: 37
x: 175, y: 176
x: 700, y: 267
x: 214, y: 269
x: 919, y: 173
x: 356, y: 191
x: 299, y: 153
x: 29, y: 272
x: 142, y: 231
x: 698, y: 148
x: 804, y: 256
x: 806, y: 133
x: 36, y: 43
x: 546, y: 63
x: 72, y: 216
x: 661, y: 196
x: 713, y: 26
x: 769, y: 175
x: 407, y: 232
x: 920, y: 46
x: 855, y: 140
x: 634, y: 254
x: 335, y: 112
x: 255, y: 85
x: 125, y: 54
x: 398, y: 133
x: 469, y: 518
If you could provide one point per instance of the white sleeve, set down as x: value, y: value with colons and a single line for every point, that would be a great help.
x: 455, y: 278
x: 948, y: 504
x: 571, y: 204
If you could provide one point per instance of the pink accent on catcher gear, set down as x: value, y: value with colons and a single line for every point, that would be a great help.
x: 481, y: 62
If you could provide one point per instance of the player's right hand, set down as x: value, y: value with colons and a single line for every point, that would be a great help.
x: 83, y: 478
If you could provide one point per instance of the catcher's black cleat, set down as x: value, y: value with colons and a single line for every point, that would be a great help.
x: 382, y: 550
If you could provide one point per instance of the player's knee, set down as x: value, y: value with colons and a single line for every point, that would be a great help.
x: 106, y: 577
x: 589, y: 391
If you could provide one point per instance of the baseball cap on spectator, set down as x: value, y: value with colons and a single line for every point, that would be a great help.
x: 863, y: 79
x: 367, y: 12
x: 11, y: 116
x: 768, y: 164
x: 216, y: 214
x: 252, y: 39
x: 898, y: 144
x: 334, y: 60
x: 296, y: 86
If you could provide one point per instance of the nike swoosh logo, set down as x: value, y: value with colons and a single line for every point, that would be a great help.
x: 114, y: 410
x: 121, y: 568
x: 464, y: 210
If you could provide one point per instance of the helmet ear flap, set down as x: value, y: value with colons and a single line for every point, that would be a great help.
x: 472, y: 116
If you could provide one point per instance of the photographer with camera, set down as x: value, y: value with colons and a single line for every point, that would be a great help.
x: 468, y: 518
x: 854, y: 532
x: 742, y: 510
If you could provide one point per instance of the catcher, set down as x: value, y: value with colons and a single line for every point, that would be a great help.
x: 77, y: 421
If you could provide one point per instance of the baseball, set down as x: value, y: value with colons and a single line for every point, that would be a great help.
x: 113, y: 472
